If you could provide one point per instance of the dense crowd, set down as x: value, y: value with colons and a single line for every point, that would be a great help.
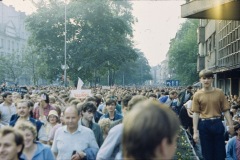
x: 120, y: 123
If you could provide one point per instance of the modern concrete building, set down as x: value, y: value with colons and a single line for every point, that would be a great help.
x: 218, y: 40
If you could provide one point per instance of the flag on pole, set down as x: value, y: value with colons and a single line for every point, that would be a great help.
x: 80, y: 84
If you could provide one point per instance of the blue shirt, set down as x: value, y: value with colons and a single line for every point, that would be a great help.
x: 117, y: 116
x: 43, y: 152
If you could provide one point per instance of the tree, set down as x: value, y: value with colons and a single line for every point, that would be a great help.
x: 134, y: 72
x: 11, y: 67
x: 183, y: 53
x: 98, y: 37
x: 30, y: 64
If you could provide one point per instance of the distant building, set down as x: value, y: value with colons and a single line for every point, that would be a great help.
x: 155, y: 72
x: 164, y: 73
x: 13, y: 35
x: 218, y: 40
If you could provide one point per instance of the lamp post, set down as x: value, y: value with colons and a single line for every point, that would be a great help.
x: 65, y: 46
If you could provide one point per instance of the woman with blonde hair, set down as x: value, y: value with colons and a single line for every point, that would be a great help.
x: 105, y: 126
x: 33, y: 150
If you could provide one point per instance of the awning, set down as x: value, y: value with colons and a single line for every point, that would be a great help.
x: 211, y: 9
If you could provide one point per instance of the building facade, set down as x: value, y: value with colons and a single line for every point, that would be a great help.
x: 13, y: 35
x: 218, y: 40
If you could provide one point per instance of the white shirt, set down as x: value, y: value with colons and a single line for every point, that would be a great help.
x: 65, y: 143
x: 188, y: 104
x: 6, y: 113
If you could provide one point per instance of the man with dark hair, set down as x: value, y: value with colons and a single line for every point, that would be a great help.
x: 7, y: 108
x: 11, y: 144
x: 208, y: 105
x: 95, y: 100
x: 111, y: 113
x: 183, y: 97
x: 88, y: 110
x: 160, y: 141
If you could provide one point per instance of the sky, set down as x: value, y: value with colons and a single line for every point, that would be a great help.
x: 157, y: 23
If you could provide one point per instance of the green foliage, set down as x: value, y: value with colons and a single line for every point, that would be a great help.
x: 184, y: 149
x: 11, y: 67
x: 98, y: 37
x: 183, y: 53
x: 135, y: 72
x: 31, y: 63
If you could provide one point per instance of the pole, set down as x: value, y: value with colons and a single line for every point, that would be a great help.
x: 123, y: 78
x: 108, y: 75
x: 65, y: 48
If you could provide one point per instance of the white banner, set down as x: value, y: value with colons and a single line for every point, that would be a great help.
x: 80, y: 84
x: 81, y: 93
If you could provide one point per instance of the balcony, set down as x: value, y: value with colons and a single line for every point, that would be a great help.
x: 211, y: 9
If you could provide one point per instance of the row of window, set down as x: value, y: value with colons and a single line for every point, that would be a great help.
x: 229, y: 49
x: 233, y: 59
x: 230, y: 37
x: 228, y: 26
x: 9, y: 45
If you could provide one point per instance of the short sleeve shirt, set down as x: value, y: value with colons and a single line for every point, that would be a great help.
x: 210, y: 103
x: 6, y: 113
x: 65, y: 143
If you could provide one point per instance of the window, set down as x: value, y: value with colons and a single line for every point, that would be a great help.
x: 17, y: 47
x: 13, y: 46
x: 9, y: 45
x: 2, y: 43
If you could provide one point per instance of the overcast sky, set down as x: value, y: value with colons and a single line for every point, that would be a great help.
x: 158, y: 22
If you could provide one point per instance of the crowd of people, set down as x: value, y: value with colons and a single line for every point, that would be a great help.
x: 121, y: 123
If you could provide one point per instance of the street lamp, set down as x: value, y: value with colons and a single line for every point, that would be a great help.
x: 65, y: 46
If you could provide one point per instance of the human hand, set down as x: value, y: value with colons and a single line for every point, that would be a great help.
x: 231, y: 130
x: 196, y: 137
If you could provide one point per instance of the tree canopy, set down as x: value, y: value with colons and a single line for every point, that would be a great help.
x: 99, y: 37
x: 183, y: 53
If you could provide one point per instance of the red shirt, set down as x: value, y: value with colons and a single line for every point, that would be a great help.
x: 45, y: 111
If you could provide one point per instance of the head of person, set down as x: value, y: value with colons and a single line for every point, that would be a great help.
x: 173, y: 94
x: 105, y: 126
x: 98, y: 98
x: 206, y: 78
x: 44, y: 98
x: 7, y: 97
x: 91, y: 99
x: 111, y: 105
x: 71, y: 117
x: 23, y: 108
x: 124, y: 103
x: 189, y: 89
x: 88, y: 110
x: 237, y: 129
x: 53, y: 117
x: 162, y: 92
x: 152, y: 96
x: 160, y: 141
x: 11, y: 143
x: 26, y: 97
x: 16, y: 96
x: 135, y: 100
x: 29, y: 132
x: 52, y: 99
